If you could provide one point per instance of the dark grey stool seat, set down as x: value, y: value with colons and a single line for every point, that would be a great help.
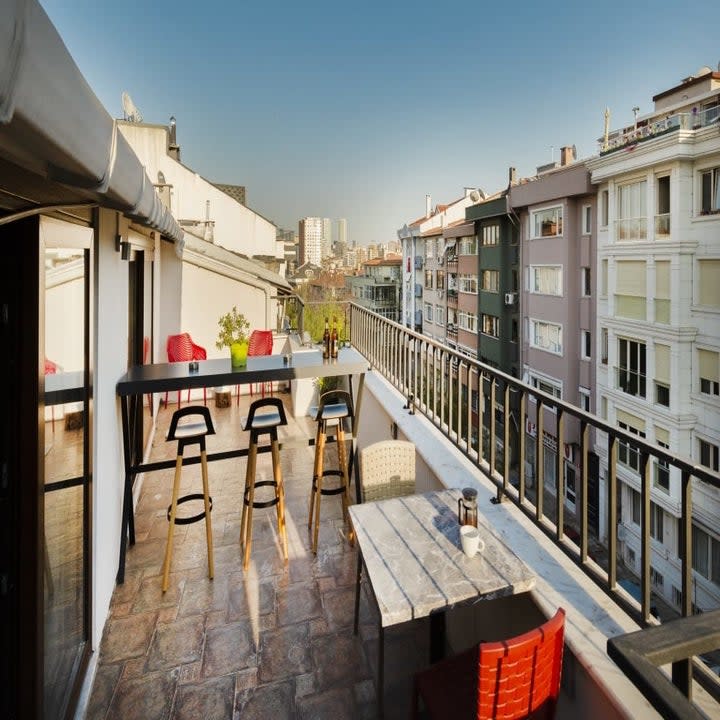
x: 192, y: 432
x: 264, y: 418
x: 335, y: 407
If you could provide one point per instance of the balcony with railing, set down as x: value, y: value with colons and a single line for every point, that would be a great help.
x: 647, y: 130
x: 631, y: 229
x: 662, y: 225
x: 277, y: 640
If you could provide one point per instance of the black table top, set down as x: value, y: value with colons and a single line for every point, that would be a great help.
x: 64, y: 387
x: 215, y: 373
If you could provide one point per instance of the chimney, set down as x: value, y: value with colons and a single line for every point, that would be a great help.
x: 173, y: 147
x: 428, y: 206
x: 512, y: 176
x: 567, y: 155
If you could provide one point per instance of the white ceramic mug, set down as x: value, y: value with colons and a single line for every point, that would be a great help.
x: 470, y: 540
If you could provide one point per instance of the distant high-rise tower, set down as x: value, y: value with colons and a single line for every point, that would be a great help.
x: 341, y: 233
x: 310, y: 231
x: 326, y: 237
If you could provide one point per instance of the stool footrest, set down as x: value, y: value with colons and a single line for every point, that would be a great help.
x: 265, y: 503
x: 329, y: 491
x: 192, y: 518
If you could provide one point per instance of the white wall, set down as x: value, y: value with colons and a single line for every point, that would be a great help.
x: 236, y: 228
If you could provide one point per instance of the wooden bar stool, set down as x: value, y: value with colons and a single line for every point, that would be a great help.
x: 189, y: 433
x: 271, y: 415
x: 334, y: 407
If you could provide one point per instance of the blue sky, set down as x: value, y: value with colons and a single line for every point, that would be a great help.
x: 359, y: 110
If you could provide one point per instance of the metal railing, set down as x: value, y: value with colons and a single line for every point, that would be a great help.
x: 444, y: 385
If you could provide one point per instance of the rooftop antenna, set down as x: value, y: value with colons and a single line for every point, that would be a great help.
x: 130, y: 112
x: 635, y: 111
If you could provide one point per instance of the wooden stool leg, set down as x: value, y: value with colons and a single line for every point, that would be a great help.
x: 317, y: 469
x: 208, y: 522
x: 342, y: 461
x: 248, y: 480
x: 252, y: 457
x: 318, y: 491
x: 171, y: 525
x: 280, y: 494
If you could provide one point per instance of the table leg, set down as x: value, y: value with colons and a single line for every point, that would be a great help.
x: 354, y: 460
x: 127, y: 492
x: 357, y: 592
x: 437, y: 636
x: 381, y: 671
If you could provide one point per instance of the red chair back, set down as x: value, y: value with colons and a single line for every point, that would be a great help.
x: 261, y: 342
x: 181, y: 348
x: 50, y: 367
x: 521, y: 676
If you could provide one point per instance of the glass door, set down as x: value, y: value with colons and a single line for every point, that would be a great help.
x: 67, y: 472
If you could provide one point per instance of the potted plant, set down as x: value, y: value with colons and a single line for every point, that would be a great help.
x: 233, y: 334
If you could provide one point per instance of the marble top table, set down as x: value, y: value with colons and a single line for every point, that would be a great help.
x: 411, y: 550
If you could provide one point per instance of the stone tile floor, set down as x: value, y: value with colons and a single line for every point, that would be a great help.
x: 273, y: 642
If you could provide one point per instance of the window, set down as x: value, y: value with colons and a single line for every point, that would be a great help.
x: 586, y: 219
x: 656, y: 578
x: 513, y: 330
x: 708, y: 365
x: 676, y: 596
x: 586, y: 345
x: 546, y: 336
x: 604, y: 207
x: 706, y: 554
x: 631, y: 367
x: 630, y: 289
x: 662, y: 291
x: 662, y: 374
x: 428, y: 279
x: 546, y: 223
x: 439, y: 314
x: 467, y: 321
x: 429, y: 248
x: 709, y: 283
x: 584, y: 399
x: 710, y: 192
x: 632, y: 211
x: 662, y: 467
x: 604, y: 278
x: 570, y: 492
x: 428, y: 312
x: 490, y: 234
x: 440, y: 280
x: 662, y: 218
x: 636, y: 507
x: 657, y: 516
x: 490, y: 280
x: 708, y: 455
x: 604, y: 346
x: 546, y: 385
x: 468, y: 284
x: 468, y: 246
x: 546, y: 279
x: 628, y: 454
x: 586, y: 281
x: 491, y: 325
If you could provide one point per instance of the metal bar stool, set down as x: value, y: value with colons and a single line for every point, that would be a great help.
x: 189, y: 433
x: 266, y: 422
x: 334, y: 407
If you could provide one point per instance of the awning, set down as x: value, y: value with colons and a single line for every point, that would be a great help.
x: 449, y: 244
x: 55, y: 130
x: 457, y: 231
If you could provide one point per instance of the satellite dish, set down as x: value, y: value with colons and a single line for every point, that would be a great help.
x: 477, y: 195
x: 131, y: 113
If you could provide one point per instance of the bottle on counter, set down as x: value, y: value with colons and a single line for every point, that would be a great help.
x: 326, y: 340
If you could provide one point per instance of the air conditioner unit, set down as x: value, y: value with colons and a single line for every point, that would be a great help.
x: 418, y: 262
x: 418, y: 290
x: 621, y: 533
x: 418, y: 317
x: 510, y: 298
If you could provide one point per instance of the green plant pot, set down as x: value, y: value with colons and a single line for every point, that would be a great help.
x: 238, y: 354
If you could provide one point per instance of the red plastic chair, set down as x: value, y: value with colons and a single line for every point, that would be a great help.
x: 51, y: 368
x: 181, y: 348
x: 261, y: 343
x: 515, y: 678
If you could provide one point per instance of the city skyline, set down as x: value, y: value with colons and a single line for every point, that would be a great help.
x: 364, y: 124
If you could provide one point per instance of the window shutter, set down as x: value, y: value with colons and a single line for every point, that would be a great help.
x: 662, y: 280
x: 708, y: 363
x: 662, y: 435
x: 662, y: 364
x: 629, y: 419
x: 630, y: 278
x: 709, y: 276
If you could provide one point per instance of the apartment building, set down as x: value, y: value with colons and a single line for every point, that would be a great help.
x: 556, y: 215
x: 310, y: 234
x: 658, y: 323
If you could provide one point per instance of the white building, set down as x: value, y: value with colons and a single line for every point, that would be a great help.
x: 311, y: 240
x: 658, y: 318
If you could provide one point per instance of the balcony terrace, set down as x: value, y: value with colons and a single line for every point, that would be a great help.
x: 649, y: 129
x: 277, y: 641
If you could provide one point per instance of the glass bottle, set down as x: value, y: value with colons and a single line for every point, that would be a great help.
x: 326, y: 340
x: 334, y: 339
